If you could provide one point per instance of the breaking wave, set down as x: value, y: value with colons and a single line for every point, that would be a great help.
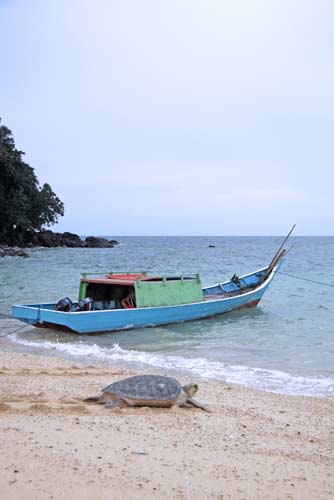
x: 257, y: 378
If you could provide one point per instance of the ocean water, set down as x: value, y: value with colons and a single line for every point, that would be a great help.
x: 284, y: 345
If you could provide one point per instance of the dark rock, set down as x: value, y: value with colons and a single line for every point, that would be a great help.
x: 72, y: 243
x: 50, y: 239
x: 12, y: 252
x: 71, y: 236
x: 93, y: 242
x: 21, y: 253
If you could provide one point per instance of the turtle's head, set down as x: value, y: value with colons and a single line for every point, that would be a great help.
x: 190, y: 389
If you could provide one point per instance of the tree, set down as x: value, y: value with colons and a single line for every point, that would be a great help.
x: 25, y: 207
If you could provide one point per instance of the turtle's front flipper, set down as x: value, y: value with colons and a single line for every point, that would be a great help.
x: 192, y: 402
x: 119, y: 403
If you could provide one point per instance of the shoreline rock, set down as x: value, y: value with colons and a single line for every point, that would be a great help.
x: 49, y: 239
x: 12, y: 252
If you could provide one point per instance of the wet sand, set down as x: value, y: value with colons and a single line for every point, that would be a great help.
x: 254, y: 445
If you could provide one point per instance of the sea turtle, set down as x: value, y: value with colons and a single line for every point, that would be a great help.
x: 147, y: 390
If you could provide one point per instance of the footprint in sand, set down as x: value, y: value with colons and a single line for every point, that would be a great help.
x: 4, y: 407
x: 76, y: 410
x: 68, y: 410
x: 40, y: 408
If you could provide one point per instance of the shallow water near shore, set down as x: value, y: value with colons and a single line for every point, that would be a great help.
x: 284, y: 345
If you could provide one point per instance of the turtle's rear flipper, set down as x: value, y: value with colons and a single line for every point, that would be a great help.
x: 192, y: 402
x: 119, y: 403
x: 93, y: 399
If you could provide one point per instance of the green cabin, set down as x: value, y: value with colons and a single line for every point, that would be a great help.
x: 129, y: 290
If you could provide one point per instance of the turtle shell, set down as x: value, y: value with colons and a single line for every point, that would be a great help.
x: 146, y: 387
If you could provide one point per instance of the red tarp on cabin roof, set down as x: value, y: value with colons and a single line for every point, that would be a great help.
x: 127, y: 277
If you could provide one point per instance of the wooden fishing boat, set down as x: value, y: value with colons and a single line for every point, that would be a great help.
x: 136, y: 300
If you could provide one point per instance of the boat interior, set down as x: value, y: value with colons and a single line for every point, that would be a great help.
x: 111, y: 296
x: 118, y: 291
x: 236, y: 286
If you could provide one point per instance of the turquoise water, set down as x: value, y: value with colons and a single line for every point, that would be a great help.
x: 286, y: 344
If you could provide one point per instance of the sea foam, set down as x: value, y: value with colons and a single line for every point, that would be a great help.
x: 263, y: 379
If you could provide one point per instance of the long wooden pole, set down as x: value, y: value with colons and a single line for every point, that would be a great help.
x: 279, y: 252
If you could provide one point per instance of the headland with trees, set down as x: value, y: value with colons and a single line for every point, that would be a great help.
x: 27, y: 209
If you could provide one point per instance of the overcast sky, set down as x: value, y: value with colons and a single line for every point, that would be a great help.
x: 175, y: 117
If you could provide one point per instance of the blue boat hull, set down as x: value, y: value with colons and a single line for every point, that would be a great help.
x: 214, y: 303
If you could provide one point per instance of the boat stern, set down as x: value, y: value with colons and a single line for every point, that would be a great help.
x: 29, y: 313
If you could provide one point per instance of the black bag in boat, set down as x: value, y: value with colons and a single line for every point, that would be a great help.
x: 82, y: 305
x: 64, y: 305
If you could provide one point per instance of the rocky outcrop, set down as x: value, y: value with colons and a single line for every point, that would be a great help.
x: 50, y: 239
x: 12, y: 252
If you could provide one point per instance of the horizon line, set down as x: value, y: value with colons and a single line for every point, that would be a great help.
x: 208, y: 235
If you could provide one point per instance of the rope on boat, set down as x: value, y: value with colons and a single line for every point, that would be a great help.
x: 305, y: 279
x: 24, y: 326
x: 14, y: 331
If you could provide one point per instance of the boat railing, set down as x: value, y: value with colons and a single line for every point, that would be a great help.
x: 170, y: 278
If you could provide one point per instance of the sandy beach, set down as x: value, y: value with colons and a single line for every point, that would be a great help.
x: 254, y: 445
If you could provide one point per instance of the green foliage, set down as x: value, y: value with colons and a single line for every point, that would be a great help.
x: 24, y: 206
